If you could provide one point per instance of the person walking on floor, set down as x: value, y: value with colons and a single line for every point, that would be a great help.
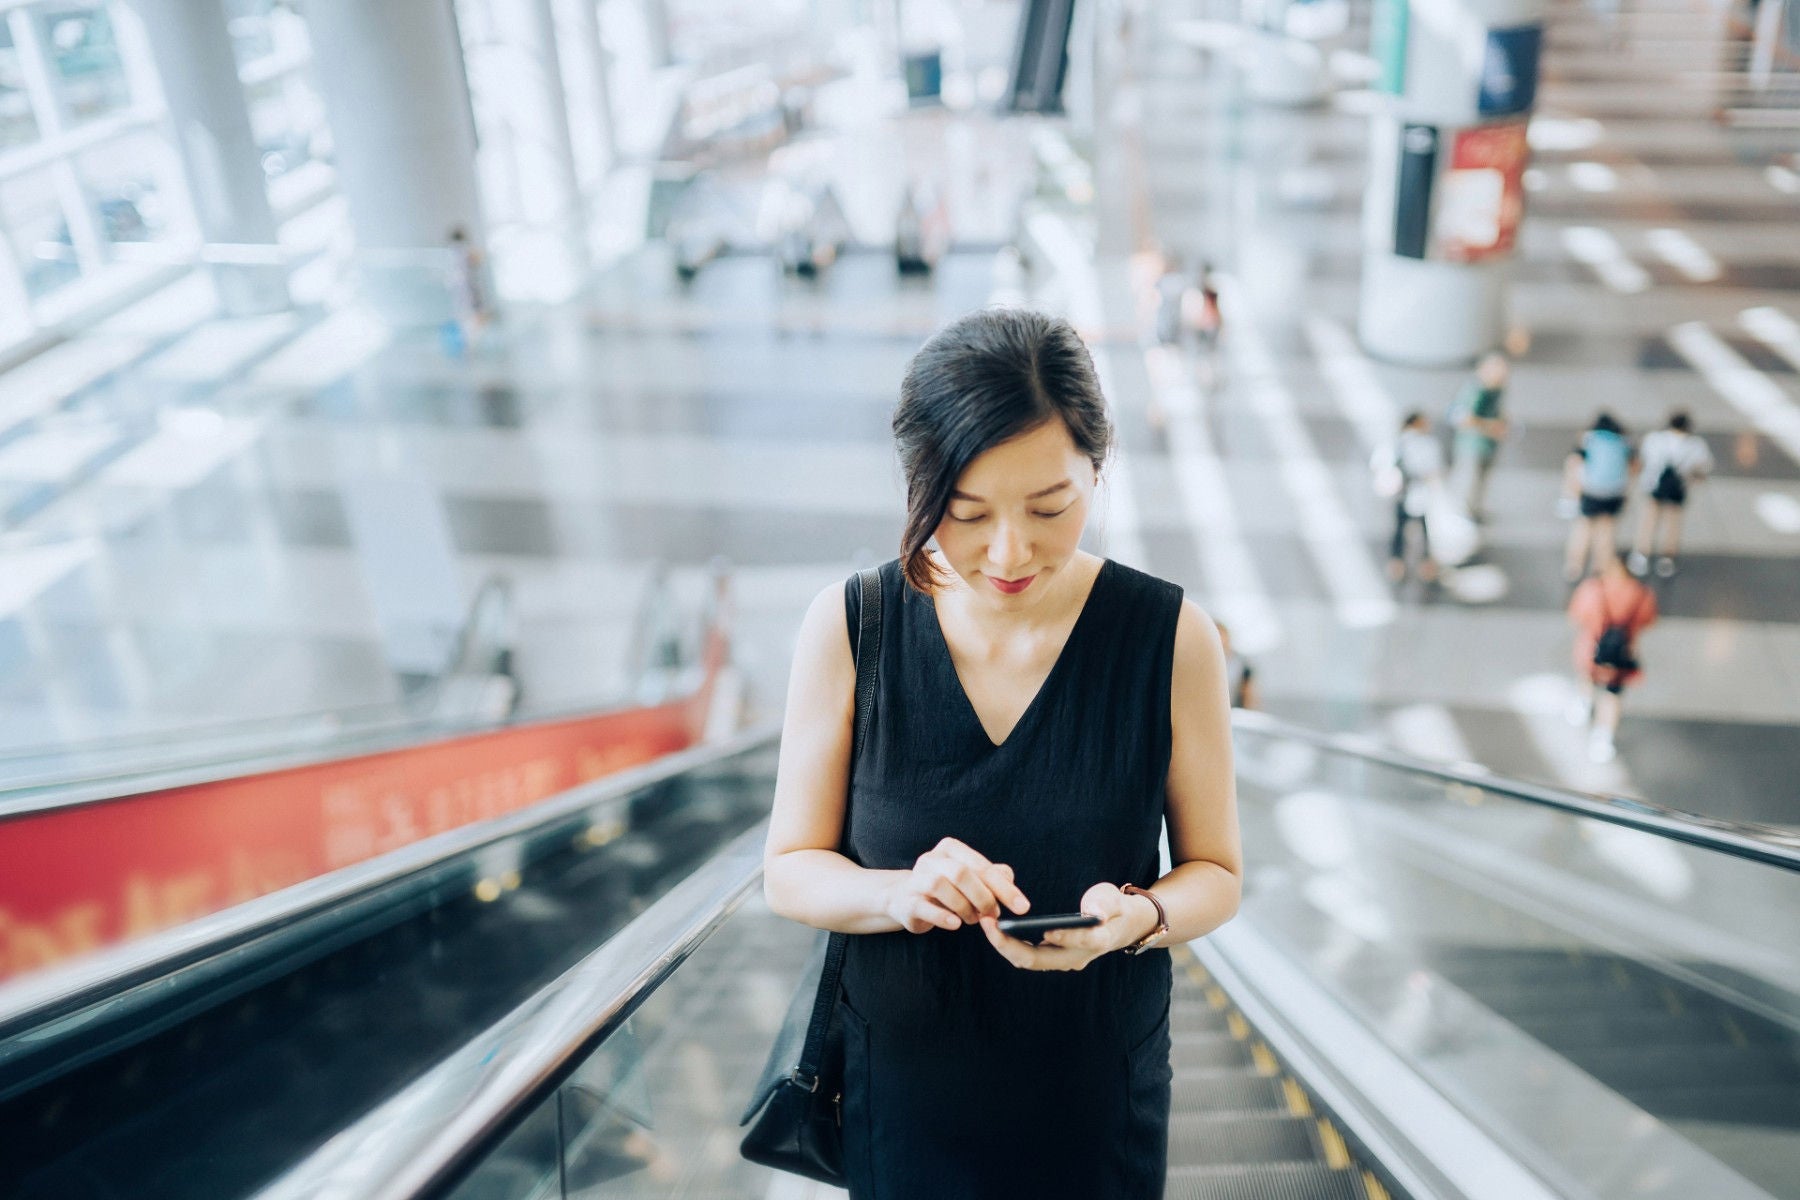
x: 1038, y: 713
x: 1608, y: 612
x: 1478, y: 429
x: 1596, y: 477
x: 1411, y: 472
x: 1240, y: 676
x: 1674, y: 459
x: 1172, y: 288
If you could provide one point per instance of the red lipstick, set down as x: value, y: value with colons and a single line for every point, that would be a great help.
x: 1011, y: 587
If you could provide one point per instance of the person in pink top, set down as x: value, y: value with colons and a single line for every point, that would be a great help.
x: 1608, y: 611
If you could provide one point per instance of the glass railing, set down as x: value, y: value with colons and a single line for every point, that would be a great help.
x: 1547, y: 994
x: 476, y: 691
x: 1609, y: 990
x: 221, y: 1071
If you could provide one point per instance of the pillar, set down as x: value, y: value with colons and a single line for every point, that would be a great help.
x: 390, y: 75
x: 584, y: 74
x: 1446, y: 178
x: 547, y: 254
x: 198, y: 76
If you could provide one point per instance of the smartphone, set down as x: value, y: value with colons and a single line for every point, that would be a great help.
x: 1032, y: 929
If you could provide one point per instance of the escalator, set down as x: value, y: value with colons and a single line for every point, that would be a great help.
x: 213, y: 1078
x: 1441, y: 984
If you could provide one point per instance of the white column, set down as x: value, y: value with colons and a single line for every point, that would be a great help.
x: 391, y: 78
x: 545, y: 259
x: 1439, y: 230
x: 584, y: 76
x: 656, y: 27
x: 198, y: 76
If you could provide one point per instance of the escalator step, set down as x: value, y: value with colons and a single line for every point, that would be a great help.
x: 1186, y: 1016
x: 1227, y: 1091
x: 1279, y: 1181
x: 1209, y: 1139
x: 1209, y: 1050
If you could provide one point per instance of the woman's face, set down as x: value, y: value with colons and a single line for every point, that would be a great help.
x: 1016, y: 517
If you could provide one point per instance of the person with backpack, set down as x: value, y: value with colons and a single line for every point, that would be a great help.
x: 1596, y: 479
x: 1479, y: 428
x: 1675, y: 459
x: 1608, y: 612
x: 1410, y: 472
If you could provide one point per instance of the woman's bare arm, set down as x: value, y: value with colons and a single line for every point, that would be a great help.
x: 1202, y: 888
x: 804, y: 876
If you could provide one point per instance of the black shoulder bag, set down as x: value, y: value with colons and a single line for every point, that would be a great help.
x: 795, y: 1115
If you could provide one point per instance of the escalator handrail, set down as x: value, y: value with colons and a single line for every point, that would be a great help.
x: 427, y: 1137
x: 31, y: 1000
x: 1771, y: 845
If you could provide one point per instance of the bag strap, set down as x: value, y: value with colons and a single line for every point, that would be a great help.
x: 868, y: 655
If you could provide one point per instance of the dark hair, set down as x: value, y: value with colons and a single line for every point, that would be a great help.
x: 1412, y: 418
x: 1680, y: 420
x: 1606, y: 423
x: 982, y: 380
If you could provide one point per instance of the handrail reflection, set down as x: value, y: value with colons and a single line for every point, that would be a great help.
x: 1773, y: 845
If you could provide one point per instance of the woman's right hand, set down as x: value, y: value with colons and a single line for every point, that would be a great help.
x: 951, y: 886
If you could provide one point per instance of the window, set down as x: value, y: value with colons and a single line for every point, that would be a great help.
x: 126, y: 184
x: 18, y: 124
x: 32, y: 211
x: 84, y: 60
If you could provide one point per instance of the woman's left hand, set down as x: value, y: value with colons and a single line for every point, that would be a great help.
x: 1124, y: 920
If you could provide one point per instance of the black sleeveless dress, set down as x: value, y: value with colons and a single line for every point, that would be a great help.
x: 965, y: 1077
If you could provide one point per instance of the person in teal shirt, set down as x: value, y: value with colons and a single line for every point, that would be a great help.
x: 1475, y: 416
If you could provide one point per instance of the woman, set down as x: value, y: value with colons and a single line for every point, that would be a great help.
x: 1039, y: 711
x: 1596, y: 477
x: 1419, y: 459
x: 1608, y: 612
x: 1674, y: 460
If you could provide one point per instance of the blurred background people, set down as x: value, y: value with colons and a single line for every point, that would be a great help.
x: 1596, y: 478
x: 1415, y: 473
x: 1674, y: 459
x: 1171, y: 296
x: 1608, y: 612
x: 1477, y: 428
x: 1240, y: 676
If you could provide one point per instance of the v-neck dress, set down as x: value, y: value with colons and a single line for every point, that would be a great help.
x: 967, y: 1078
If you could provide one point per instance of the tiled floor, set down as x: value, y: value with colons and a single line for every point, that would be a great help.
x: 178, y: 547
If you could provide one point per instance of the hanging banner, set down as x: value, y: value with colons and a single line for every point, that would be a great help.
x: 1481, y: 197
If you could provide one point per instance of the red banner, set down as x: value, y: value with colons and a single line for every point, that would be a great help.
x: 76, y: 879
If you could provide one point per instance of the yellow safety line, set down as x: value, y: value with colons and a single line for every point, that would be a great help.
x: 1264, y: 1060
x: 1240, y: 1028
x: 1298, y: 1102
x: 1673, y: 999
x: 1337, y: 1155
x: 1373, y: 1186
x: 1618, y: 970
x: 1215, y: 996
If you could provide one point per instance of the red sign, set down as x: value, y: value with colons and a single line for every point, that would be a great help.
x: 79, y: 878
x: 1481, y: 197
